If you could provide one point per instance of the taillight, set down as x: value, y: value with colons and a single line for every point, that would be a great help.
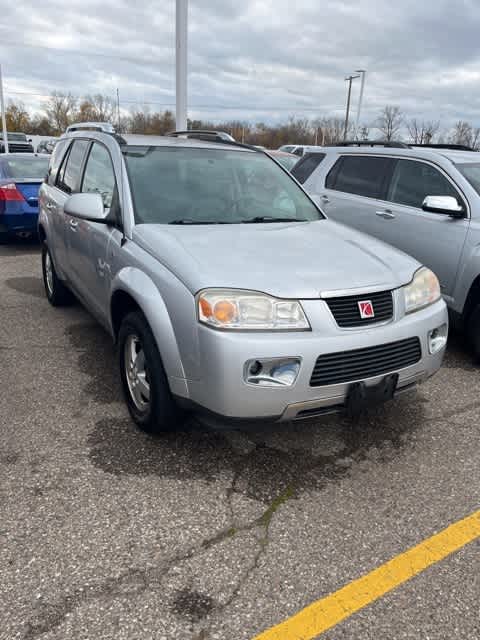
x: 10, y: 192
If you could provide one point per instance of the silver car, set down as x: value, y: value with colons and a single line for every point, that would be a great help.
x: 424, y: 201
x: 226, y: 289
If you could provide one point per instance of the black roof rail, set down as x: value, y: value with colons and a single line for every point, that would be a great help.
x: 370, y: 143
x: 202, y: 134
x: 212, y: 136
x: 452, y: 147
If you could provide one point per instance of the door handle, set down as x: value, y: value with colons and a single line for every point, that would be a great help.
x: 50, y: 205
x: 386, y: 214
x: 324, y: 199
x: 73, y: 224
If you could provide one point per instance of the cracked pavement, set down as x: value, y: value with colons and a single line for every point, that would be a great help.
x: 214, y: 535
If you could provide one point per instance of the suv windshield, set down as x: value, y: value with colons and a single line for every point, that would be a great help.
x: 471, y: 171
x: 212, y: 186
x: 15, y: 137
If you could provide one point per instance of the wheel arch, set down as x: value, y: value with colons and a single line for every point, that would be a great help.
x: 133, y: 290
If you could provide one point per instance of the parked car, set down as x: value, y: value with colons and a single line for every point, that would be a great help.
x: 425, y: 201
x: 17, y: 143
x: 46, y: 146
x: 21, y: 175
x: 287, y: 160
x: 224, y: 286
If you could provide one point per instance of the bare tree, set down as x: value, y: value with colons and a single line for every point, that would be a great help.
x: 422, y: 132
x: 96, y: 108
x: 390, y: 122
x: 60, y: 110
x: 463, y: 133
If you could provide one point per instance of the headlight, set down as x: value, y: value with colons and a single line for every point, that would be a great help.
x: 422, y: 291
x: 235, y: 309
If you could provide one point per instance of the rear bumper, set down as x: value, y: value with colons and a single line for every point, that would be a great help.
x: 222, y: 389
x: 19, y: 223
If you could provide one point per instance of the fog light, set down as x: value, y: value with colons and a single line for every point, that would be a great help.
x: 437, y: 339
x: 274, y: 372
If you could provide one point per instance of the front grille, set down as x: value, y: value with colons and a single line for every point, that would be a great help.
x: 359, y: 364
x: 346, y: 311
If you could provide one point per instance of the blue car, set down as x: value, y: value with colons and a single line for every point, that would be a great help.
x: 21, y: 175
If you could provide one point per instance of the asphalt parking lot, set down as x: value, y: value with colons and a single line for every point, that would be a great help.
x: 106, y: 533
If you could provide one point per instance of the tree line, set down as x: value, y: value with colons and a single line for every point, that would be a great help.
x: 61, y: 110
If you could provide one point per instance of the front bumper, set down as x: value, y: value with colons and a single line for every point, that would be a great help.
x: 222, y: 389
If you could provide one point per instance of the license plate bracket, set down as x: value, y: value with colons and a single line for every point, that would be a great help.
x: 361, y: 397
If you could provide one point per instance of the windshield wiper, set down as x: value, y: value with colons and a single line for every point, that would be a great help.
x: 272, y: 219
x: 191, y: 221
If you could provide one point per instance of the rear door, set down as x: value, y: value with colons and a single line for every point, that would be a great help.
x: 354, y: 190
x: 434, y: 239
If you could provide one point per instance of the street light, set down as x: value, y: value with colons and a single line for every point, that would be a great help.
x: 363, y: 73
x: 181, y: 64
x: 348, y: 79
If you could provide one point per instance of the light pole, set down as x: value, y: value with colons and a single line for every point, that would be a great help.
x: 2, y: 108
x: 181, y: 64
x: 363, y: 73
x: 348, y: 79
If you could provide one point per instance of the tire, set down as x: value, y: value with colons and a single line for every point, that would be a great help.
x: 57, y: 293
x: 141, y: 368
x: 473, y: 330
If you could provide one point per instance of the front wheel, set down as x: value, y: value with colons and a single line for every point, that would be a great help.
x: 144, y: 380
x: 57, y: 293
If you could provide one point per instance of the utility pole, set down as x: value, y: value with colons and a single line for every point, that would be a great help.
x: 348, y: 79
x: 363, y: 73
x: 2, y: 107
x: 181, y: 64
x: 118, y: 111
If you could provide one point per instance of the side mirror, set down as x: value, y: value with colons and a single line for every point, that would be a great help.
x: 447, y: 205
x: 86, y: 206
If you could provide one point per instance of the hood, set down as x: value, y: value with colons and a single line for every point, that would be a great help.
x: 288, y: 260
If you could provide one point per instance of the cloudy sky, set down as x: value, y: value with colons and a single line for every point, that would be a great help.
x: 250, y: 59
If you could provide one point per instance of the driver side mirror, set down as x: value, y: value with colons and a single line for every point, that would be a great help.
x: 86, y: 206
x: 447, y: 205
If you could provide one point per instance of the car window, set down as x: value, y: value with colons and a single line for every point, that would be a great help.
x: 413, y: 181
x: 26, y: 167
x: 55, y: 160
x: 361, y: 175
x: 298, y: 151
x: 99, y: 176
x: 471, y: 171
x: 212, y: 186
x: 306, y: 166
x: 69, y: 176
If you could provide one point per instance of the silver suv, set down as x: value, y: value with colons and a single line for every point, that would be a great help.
x: 425, y: 201
x: 225, y: 287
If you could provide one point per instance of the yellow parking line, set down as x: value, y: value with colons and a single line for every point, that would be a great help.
x: 329, y: 611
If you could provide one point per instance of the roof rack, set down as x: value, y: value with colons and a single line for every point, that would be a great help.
x: 105, y: 127
x: 202, y: 134
x: 213, y: 136
x: 452, y: 147
x: 370, y: 143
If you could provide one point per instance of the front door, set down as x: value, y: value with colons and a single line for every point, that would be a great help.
x: 434, y: 239
x: 88, y: 241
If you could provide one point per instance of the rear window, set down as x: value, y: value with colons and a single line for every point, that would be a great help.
x: 306, y: 166
x: 26, y: 167
x: 361, y: 175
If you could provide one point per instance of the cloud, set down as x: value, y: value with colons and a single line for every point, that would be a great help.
x: 255, y: 60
